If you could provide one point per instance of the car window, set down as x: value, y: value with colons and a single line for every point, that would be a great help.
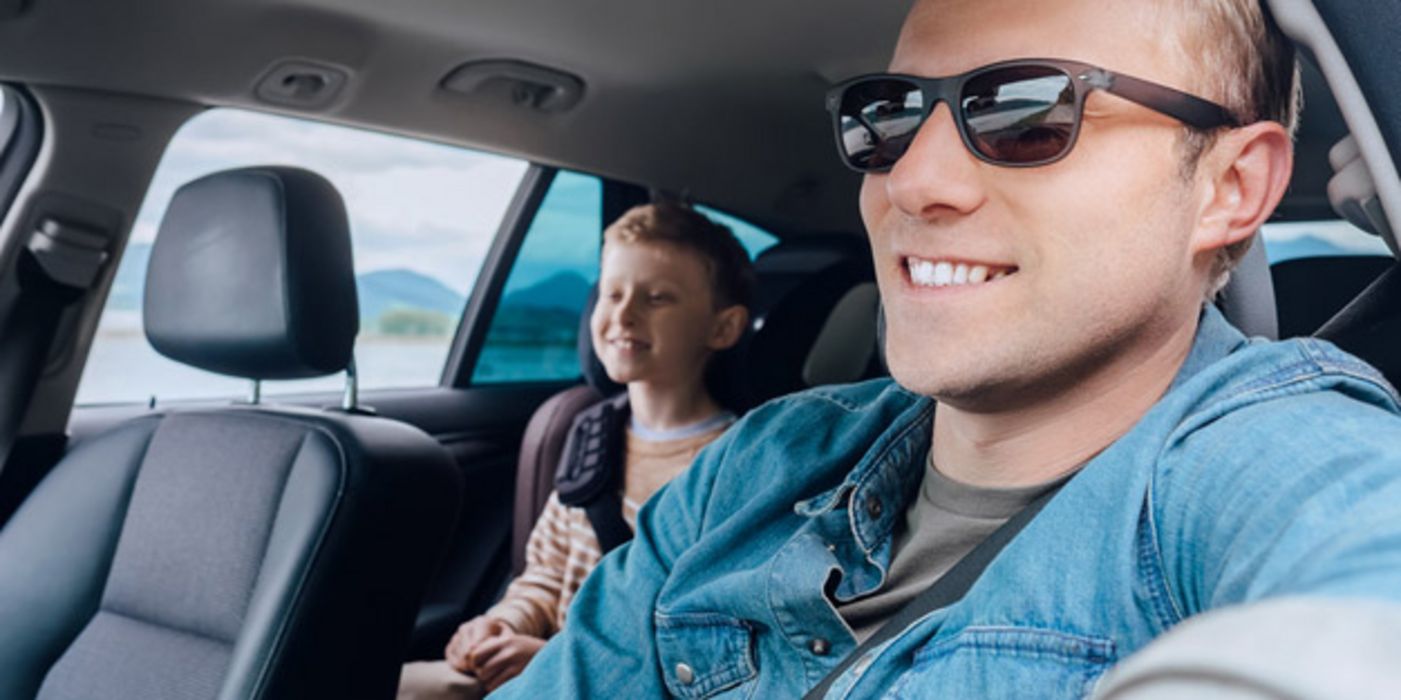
x: 534, y: 334
x: 754, y: 239
x: 422, y: 216
x: 1312, y: 239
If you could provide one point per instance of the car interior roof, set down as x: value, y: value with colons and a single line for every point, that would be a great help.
x: 720, y: 102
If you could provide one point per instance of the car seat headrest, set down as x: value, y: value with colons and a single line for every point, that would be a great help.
x: 846, y: 344
x: 251, y: 276
x: 815, y: 319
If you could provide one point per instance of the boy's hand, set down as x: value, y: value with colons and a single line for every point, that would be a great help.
x: 503, y: 656
x: 468, y: 638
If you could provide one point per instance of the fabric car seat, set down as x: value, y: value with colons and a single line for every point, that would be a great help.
x: 243, y: 552
x: 812, y: 322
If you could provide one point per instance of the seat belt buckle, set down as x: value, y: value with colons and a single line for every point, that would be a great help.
x: 67, y: 253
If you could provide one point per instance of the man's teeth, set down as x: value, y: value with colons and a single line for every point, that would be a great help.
x: 927, y: 273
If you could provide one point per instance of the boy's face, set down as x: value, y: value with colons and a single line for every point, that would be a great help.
x: 656, y: 320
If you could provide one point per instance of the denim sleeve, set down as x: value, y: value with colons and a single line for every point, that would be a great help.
x: 606, y: 648
x: 1297, y: 495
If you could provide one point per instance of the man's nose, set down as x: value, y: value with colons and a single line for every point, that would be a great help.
x: 937, y: 175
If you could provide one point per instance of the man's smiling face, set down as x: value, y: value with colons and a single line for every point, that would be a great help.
x: 1064, y: 267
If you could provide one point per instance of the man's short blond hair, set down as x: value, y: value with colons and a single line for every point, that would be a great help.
x: 1244, y: 62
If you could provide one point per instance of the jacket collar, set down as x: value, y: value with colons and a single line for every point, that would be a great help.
x: 1215, y: 339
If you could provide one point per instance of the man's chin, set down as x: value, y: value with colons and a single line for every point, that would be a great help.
x: 968, y: 388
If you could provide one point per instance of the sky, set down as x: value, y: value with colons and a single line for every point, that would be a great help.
x: 428, y: 207
x: 1281, y: 239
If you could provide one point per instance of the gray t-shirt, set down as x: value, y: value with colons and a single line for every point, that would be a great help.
x: 944, y: 522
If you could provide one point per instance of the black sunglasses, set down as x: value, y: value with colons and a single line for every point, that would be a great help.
x: 1020, y: 113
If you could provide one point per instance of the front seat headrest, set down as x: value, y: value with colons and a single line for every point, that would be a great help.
x: 814, y: 322
x: 251, y: 276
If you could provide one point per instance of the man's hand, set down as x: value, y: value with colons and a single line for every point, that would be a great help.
x: 502, y: 657
x: 465, y: 642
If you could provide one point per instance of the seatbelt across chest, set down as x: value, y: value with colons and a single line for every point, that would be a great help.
x: 591, y: 469
x: 947, y: 590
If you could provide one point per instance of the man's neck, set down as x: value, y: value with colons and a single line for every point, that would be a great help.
x: 1043, y: 440
x: 669, y: 406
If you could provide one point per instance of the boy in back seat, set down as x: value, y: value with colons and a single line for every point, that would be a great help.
x: 673, y: 289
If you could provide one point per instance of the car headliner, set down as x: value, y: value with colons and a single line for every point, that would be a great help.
x: 721, y: 102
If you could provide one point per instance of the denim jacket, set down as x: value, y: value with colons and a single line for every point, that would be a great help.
x: 1268, y: 469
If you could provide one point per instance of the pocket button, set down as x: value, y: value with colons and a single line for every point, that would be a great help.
x: 874, y: 508
x: 819, y: 646
x: 685, y: 674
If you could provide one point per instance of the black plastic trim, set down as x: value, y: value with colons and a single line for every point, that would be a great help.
x: 500, y: 259
x: 22, y: 147
x: 1363, y: 31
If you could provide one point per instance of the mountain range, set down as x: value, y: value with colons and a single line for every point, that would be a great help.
x: 383, y: 290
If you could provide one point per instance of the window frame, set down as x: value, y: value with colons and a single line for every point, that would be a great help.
x: 485, y: 297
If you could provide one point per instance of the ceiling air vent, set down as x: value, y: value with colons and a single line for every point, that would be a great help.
x: 303, y: 84
x: 524, y: 84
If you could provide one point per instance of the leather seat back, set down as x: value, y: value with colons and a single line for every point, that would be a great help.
x: 249, y: 552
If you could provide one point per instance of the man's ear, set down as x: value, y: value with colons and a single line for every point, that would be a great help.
x: 1246, y: 173
x: 728, y: 327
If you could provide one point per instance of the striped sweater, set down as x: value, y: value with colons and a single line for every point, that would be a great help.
x: 563, y: 549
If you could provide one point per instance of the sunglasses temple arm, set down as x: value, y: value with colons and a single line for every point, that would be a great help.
x: 1188, y: 109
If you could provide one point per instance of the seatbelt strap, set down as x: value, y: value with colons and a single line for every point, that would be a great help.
x: 590, y: 471
x: 606, y: 516
x: 947, y: 590
x: 60, y: 262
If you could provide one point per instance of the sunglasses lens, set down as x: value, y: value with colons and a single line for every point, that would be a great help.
x: 877, y: 120
x: 1020, y: 115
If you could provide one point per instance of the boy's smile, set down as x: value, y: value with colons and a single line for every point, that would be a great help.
x: 655, y: 313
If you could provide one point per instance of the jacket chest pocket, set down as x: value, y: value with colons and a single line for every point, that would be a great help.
x: 705, y: 654
x: 1007, y: 662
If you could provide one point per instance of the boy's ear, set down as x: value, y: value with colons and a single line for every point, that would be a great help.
x: 728, y: 327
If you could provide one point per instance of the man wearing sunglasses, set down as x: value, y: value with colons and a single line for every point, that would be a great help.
x: 1053, y: 192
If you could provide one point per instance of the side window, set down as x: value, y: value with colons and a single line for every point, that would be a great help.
x: 754, y: 239
x: 1317, y: 268
x: 1313, y: 239
x: 422, y: 216
x: 534, y: 334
